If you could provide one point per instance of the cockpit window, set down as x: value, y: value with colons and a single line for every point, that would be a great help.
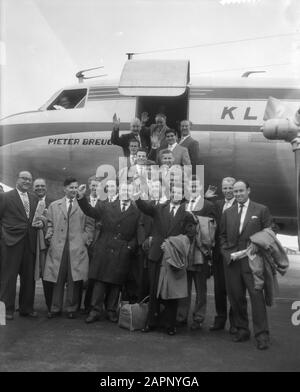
x: 69, y: 99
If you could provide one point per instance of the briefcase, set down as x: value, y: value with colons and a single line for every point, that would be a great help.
x: 133, y: 316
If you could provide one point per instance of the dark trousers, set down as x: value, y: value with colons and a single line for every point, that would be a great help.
x: 220, y: 292
x: 169, y: 315
x: 17, y: 260
x: 144, y: 288
x: 48, y: 292
x: 239, y: 278
x: 136, y: 287
x: 88, y: 288
x: 153, y: 312
x: 105, y: 295
x: 73, y: 288
x: 200, y: 281
x: 89, y: 294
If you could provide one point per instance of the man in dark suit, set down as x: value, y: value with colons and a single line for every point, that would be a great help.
x: 17, y: 209
x: 191, y: 144
x: 141, y: 134
x: 218, y: 266
x: 114, y: 249
x: 238, y: 223
x: 158, y: 131
x: 40, y: 189
x: 167, y: 219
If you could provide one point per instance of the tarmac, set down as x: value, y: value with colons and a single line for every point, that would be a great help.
x: 63, y: 345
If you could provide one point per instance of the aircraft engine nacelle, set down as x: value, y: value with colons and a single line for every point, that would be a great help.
x: 285, y: 127
x: 282, y: 129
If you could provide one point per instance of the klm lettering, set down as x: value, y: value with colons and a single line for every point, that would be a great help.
x: 228, y: 112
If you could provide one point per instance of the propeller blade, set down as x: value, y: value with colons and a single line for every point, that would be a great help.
x: 297, y: 162
x: 275, y: 108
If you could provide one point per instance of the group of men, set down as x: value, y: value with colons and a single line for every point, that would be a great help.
x: 127, y: 246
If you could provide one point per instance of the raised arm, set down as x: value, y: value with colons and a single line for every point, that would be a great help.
x: 87, y: 209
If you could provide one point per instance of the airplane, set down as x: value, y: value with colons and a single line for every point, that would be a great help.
x: 227, y: 116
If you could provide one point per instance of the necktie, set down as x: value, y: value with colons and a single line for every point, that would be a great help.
x: 70, y: 207
x: 241, y: 206
x: 26, y: 205
x: 173, y: 211
x: 124, y: 206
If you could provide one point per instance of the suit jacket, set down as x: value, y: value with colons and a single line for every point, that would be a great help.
x: 164, y: 225
x: 181, y: 155
x: 80, y: 236
x: 123, y: 140
x: 15, y: 224
x: 194, y: 150
x: 257, y: 218
x: 219, y: 205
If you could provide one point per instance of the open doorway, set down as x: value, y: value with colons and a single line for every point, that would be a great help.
x: 175, y: 108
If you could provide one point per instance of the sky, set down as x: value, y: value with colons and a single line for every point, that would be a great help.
x: 45, y: 42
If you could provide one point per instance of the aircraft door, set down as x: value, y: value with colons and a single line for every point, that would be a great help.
x: 161, y: 86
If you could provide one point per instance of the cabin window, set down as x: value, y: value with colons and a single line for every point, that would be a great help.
x: 69, y: 99
x: 175, y: 109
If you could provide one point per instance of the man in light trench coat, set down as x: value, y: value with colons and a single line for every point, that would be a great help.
x: 69, y: 232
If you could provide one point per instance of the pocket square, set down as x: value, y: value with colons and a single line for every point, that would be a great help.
x: 254, y: 217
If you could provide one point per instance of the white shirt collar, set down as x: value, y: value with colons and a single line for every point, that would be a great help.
x: 229, y: 202
x: 245, y: 204
x: 193, y: 203
x: 183, y: 138
x: 174, y: 205
x: 113, y: 198
x: 196, y: 199
x: 171, y: 147
x: 132, y: 159
x: 93, y: 198
x: 68, y: 201
x: 22, y: 194
x: 126, y: 203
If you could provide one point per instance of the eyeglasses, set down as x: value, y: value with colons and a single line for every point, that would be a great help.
x: 26, y: 179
